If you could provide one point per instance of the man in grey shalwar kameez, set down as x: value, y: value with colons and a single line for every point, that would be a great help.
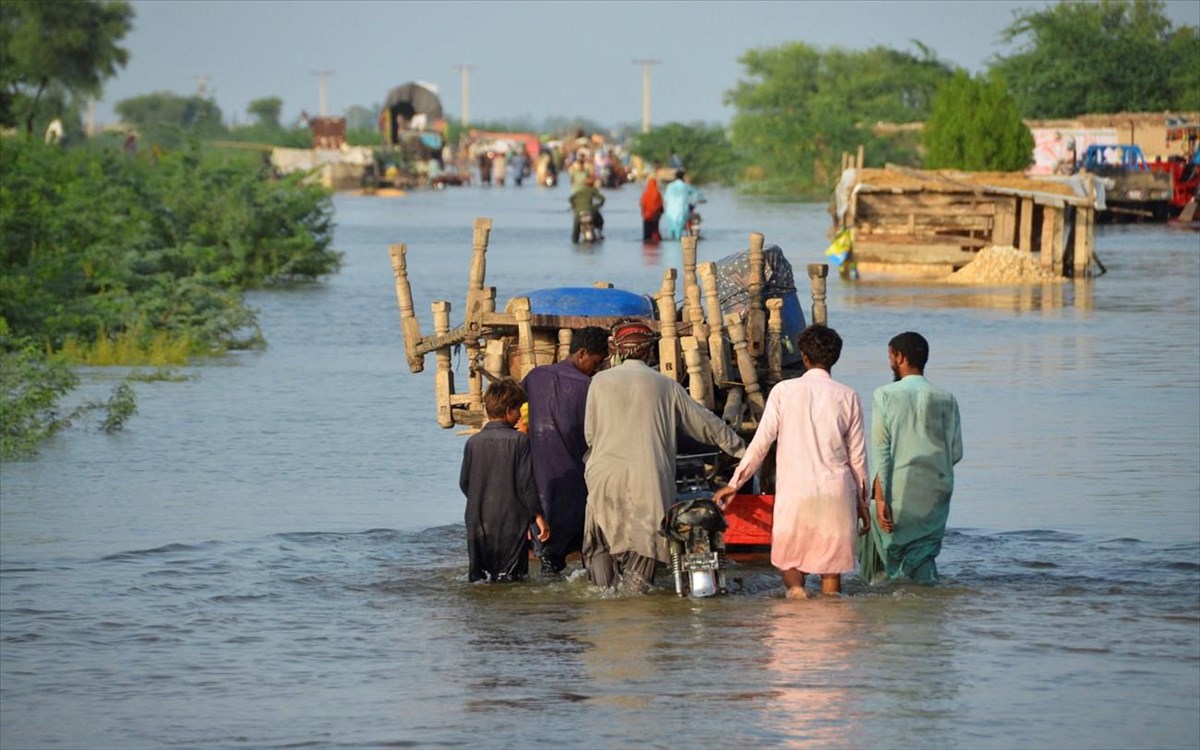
x: 631, y: 420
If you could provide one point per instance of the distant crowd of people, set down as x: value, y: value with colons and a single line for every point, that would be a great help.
x: 590, y: 469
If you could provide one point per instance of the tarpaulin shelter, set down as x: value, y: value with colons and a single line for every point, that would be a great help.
x: 404, y: 103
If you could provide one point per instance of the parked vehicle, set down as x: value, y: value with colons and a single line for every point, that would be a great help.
x: 1136, y: 191
x: 1183, y: 167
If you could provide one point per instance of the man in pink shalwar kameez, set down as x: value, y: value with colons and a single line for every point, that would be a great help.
x: 821, y: 474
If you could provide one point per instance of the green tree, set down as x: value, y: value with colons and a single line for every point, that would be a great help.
x: 1107, y: 56
x: 704, y: 149
x: 51, y: 52
x: 267, y: 110
x: 1184, y: 81
x: 801, y: 107
x: 975, y: 126
x: 165, y: 117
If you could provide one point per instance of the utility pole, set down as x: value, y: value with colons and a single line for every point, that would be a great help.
x: 202, y: 86
x: 646, y: 64
x: 466, y: 91
x: 323, y: 90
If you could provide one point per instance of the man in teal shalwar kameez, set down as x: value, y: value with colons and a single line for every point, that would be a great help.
x: 916, y: 439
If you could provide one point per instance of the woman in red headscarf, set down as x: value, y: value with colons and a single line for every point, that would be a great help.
x: 652, y: 208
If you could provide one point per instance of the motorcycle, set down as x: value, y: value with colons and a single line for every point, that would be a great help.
x: 691, y: 227
x: 695, y: 531
x: 587, y: 228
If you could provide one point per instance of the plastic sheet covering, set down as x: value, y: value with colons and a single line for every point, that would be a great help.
x: 589, y: 301
x: 733, y: 279
x: 733, y: 291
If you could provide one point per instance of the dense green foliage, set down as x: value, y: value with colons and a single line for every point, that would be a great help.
x: 115, y: 259
x: 801, y: 108
x: 975, y: 126
x: 266, y: 110
x: 1108, y: 56
x: 97, y: 243
x: 705, y: 151
x: 54, y: 52
x: 168, y: 120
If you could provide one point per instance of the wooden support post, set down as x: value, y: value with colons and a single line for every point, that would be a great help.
x: 735, y: 407
x: 1052, y: 238
x: 409, y: 325
x: 700, y: 334
x: 817, y: 273
x: 1004, y: 224
x: 696, y: 316
x: 718, y: 348
x: 1025, y: 240
x: 668, y: 341
x: 696, y: 386
x: 745, y: 365
x: 774, y: 341
x: 858, y: 159
x: 495, y: 359
x: 443, y: 384
x: 564, y: 344
x: 1060, y: 235
x: 756, y: 314
x: 520, y: 310
x: 689, y: 272
x: 476, y: 304
x: 1082, y: 252
x: 479, y: 246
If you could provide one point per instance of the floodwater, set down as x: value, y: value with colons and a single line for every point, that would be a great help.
x: 272, y: 553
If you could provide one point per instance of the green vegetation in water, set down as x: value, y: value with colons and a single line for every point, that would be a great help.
x: 113, y: 259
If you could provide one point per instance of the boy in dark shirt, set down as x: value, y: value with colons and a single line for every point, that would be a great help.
x: 502, y: 499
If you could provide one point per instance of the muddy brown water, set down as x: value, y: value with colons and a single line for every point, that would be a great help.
x: 272, y: 554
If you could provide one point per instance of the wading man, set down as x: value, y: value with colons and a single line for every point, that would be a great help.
x: 916, y: 439
x: 633, y: 416
x: 557, y: 397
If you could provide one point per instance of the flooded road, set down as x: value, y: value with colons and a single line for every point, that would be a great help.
x: 272, y: 555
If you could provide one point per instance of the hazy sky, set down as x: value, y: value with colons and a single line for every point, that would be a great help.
x: 529, y: 59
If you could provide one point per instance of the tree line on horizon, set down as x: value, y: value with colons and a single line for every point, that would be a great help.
x: 797, y: 108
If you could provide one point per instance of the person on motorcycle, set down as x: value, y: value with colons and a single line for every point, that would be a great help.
x: 587, y: 198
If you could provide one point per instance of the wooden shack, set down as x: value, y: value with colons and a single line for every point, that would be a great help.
x: 727, y: 362
x: 931, y: 223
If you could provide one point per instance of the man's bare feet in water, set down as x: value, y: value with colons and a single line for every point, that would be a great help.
x: 831, y: 584
x: 794, y: 581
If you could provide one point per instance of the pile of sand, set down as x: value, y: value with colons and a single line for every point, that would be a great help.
x: 997, y: 264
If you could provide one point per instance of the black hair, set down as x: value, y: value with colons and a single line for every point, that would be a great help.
x: 913, y: 346
x: 592, y: 339
x: 501, y: 396
x: 821, y: 344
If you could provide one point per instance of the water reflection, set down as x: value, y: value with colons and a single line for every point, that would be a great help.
x: 1024, y: 298
x: 650, y: 253
x: 813, y: 651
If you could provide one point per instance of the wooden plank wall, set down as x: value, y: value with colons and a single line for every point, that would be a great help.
x: 920, y: 229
